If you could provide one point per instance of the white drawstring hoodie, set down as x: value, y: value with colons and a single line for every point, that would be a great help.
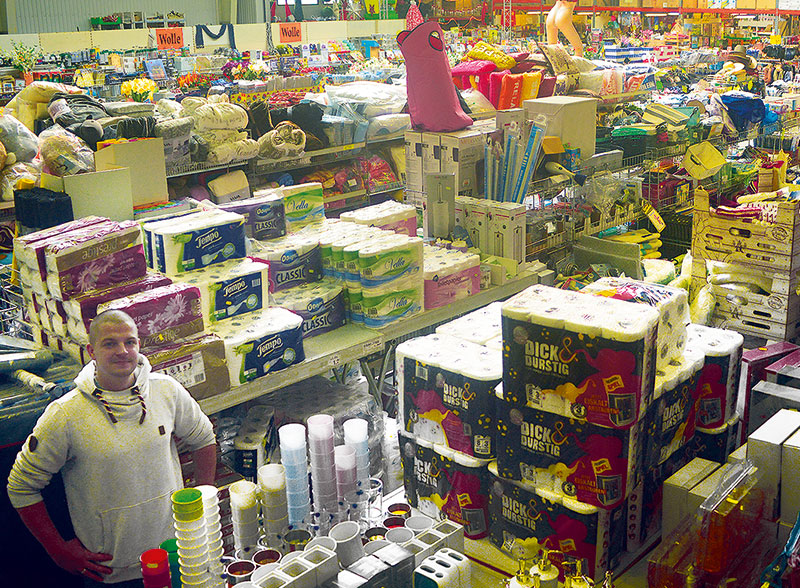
x: 118, y: 476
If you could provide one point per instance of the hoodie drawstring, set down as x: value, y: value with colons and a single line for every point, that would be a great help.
x: 134, y: 392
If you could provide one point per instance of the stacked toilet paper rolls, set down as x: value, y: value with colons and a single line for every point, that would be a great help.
x: 264, y: 214
x: 672, y: 305
x: 196, y: 241
x: 720, y: 376
x: 333, y: 244
x: 390, y: 215
x: 321, y: 305
x: 386, y: 305
x: 448, y: 392
x: 231, y: 288
x: 450, y: 275
x: 162, y: 315
x: 262, y: 342
x: 579, y: 355
x: 304, y: 204
x: 293, y: 260
x: 150, y: 224
x: 480, y: 326
x: 392, y: 261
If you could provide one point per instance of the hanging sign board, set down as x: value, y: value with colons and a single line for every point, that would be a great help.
x: 171, y: 38
x: 290, y: 32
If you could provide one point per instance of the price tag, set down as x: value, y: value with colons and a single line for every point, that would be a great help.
x: 188, y: 370
x: 335, y: 361
x: 372, y: 347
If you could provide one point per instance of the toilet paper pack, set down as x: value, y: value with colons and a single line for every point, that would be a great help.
x: 261, y: 342
x: 390, y: 216
x: 672, y: 305
x: 578, y: 355
x: 717, y: 443
x: 592, y: 464
x: 264, y: 214
x: 320, y: 304
x: 386, y: 305
x: 304, y: 204
x: 197, y: 241
x: 162, y: 315
x: 231, y: 288
x: 347, y: 267
x: 451, y: 277
x: 149, y: 224
x: 198, y: 364
x: 29, y: 249
x: 719, y: 380
x: 293, y: 260
x: 390, y: 261
x: 440, y: 482
x: 524, y: 517
x: 95, y: 257
x: 448, y: 393
x: 479, y: 326
x: 332, y: 248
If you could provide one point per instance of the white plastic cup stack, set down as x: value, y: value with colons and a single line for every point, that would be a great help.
x: 295, y: 463
x: 345, y: 457
x: 272, y: 490
x: 323, y: 471
x: 244, y: 512
x: 356, y: 435
x: 213, y: 535
x: 190, y: 532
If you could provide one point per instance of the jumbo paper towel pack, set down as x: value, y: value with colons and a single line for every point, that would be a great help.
x: 260, y: 343
x: 450, y: 277
x: 672, y: 305
x: 264, y: 214
x: 231, y: 288
x: 162, y: 315
x: 448, y: 392
x: 479, y: 326
x: 197, y: 241
x: 441, y: 483
x: 293, y: 260
x: 304, y: 204
x: 523, y: 516
x: 95, y: 257
x: 719, y: 379
x: 579, y: 355
x: 579, y: 460
x: 321, y: 305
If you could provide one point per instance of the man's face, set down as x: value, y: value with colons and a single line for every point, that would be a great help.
x: 115, y: 352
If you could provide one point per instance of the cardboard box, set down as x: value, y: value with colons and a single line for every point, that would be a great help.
x: 706, y: 487
x: 462, y: 154
x: 567, y: 118
x: 413, y: 145
x: 505, y: 118
x: 478, y: 223
x: 746, y: 4
x: 738, y: 455
x: 790, y: 491
x: 677, y: 488
x: 431, y: 156
x: 520, y: 515
x: 767, y: 398
x: 765, y: 451
x: 754, y: 364
x: 507, y: 230
x: 586, y: 462
x: 765, y: 4
x: 145, y: 158
x: 785, y: 371
x: 198, y: 364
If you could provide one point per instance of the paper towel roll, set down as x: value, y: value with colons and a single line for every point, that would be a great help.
x: 231, y: 288
x: 304, y: 205
x: 597, y: 353
x: 262, y: 342
x: 264, y: 214
x: 320, y: 304
x: 162, y: 315
x: 719, y: 378
x: 197, y: 241
x: 293, y: 260
x: 672, y: 305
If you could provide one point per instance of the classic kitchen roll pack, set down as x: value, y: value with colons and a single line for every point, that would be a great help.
x: 321, y: 305
x: 479, y: 326
x: 262, y: 342
x: 264, y: 214
x: 579, y: 355
x: 448, y: 392
x: 293, y: 260
x: 672, y: 305
x: 196, y: 241
x: 719, y: 379
x: 231, y: 288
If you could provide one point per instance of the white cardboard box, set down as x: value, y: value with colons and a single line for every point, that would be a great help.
x: 677, y: 488
x: 570, y: 118
x: 478, y: 222
x: 462, y: 154
x: 790, y: 466
x: 706, y: 487
x: 764, y: 449
x: 413, y: 144
x: 431, y: 156
x: 739, y: 455
x: 507, y: 230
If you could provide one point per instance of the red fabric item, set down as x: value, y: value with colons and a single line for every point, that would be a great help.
x: 413, y: 17
x: 546, y: 87
x: 495, y: 84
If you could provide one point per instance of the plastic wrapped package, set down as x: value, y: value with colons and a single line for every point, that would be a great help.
x: 12, y: 174
x: 388, y: 124
x: 169, y: 108
x: 170, y: 129
x: 25, y: 106
x: 476, y: 101
x: 190, y: 104
x: 17, y: 139
x: 377, y: 173
x: 285, y: 140
x: 377, y: 99
x: 221, y: 115
x: 226, y: 152
x: 65, y: 154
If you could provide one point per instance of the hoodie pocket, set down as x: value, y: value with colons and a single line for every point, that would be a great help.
x: 130, y: 530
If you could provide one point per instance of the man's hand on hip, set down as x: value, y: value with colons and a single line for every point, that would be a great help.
x: 76, y: 559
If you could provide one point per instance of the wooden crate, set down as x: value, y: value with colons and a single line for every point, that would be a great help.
x: 771, y: 244
x: 756, y: 327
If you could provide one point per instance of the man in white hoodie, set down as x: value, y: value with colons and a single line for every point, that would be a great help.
x: 112, y: 439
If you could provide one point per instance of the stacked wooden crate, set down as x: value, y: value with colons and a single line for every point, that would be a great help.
x: 770, y: 245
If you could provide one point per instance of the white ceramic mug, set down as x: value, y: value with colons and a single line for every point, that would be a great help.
x: 348, y: 542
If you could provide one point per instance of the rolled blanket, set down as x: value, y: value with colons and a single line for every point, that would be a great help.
x: 130, y: 108
x: 244, y: 149
x: 178, y: 127
x: 285, y: 140
x: 136, y: 128
x: 220, y: 116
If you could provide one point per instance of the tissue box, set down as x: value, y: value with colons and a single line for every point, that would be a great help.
x: 198, y: 364
x: 567, y: 118
x: 523, y: 515
x: 578, y: 355
x: 587, y: 462
x: 447, y: 393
